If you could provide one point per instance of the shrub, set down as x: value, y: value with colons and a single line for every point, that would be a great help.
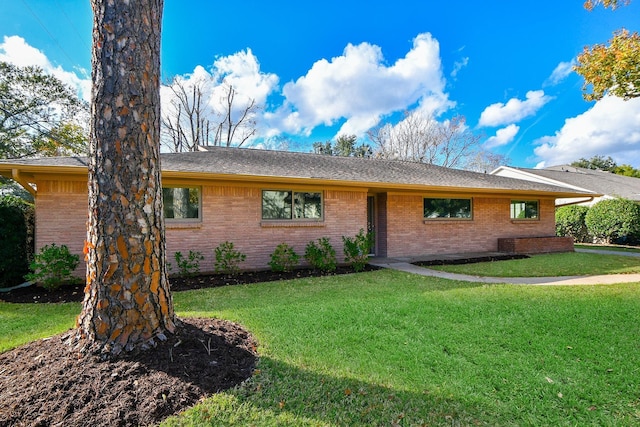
x: 228, y: 259
x: 189, y: 266
x: 570, y: 222
x: 53, y: 267
x: 283, y: 258
x: 321, y: 255
x: 357, y: 249
x: 614, y: 220
x: 16, y: 239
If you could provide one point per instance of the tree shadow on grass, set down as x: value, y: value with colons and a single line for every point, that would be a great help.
x: 284, y: 395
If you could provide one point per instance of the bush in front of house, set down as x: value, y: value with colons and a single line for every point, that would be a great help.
x: 53, y: 267
x: 283, y: 258
x: 321, y: 255
x: 16, y: 239
x: 227, y: 258
x: 357, y: 249
x: 614, y: 221
x: 570, y: 222
x: 189, y: 266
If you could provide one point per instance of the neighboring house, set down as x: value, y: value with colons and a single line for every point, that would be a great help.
x: 258, y: 199
x: 607, y: 185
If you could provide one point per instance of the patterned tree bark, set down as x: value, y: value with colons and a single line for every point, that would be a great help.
x: 127, y: 302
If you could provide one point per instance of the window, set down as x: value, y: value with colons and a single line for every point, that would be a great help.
x: 181, y: 203
x: 292, y: 205
x: 524, y: 209
x: 447, y: 208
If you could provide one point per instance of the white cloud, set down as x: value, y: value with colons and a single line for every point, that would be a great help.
x: 502, y: 137
x: 459, y: 65
x: 358, y: 86
x: 609, y: 128
x: 15, y: 50
x: 514, y: 110
x: 561, y: 72
x: 241, y: 71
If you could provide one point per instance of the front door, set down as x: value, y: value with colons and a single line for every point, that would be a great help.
x: 371, y: 220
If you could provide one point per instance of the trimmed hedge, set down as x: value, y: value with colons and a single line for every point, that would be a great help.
x: 614, y: 221
x: 570, y: 222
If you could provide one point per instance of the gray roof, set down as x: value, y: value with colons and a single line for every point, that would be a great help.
x: 244, y: 163
x: 598, y: 181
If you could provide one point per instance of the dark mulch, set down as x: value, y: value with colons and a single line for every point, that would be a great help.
x: 470, y: 260
x: 74, y: 293
x: 45, y: 383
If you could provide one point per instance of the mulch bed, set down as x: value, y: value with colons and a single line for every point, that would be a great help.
x: 45, y: 383
x: 470, y: 260
x: 74, y: 293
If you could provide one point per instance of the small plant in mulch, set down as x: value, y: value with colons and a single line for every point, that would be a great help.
x: 357, y: 249
x: 53, y: 267
x: 283, y: 258
x: 321, y: 255
x: 189, y: 266
x: 228, y: 259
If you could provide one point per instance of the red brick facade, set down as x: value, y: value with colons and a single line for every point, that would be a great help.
x: 233, y: 213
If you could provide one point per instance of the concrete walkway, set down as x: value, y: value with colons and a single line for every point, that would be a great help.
x: 405, y: 264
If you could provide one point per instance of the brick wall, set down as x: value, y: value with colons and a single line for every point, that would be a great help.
x: 61, y: 216
x: 409, y: 234
x: 535, y: 245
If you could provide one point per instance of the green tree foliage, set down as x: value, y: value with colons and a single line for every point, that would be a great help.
x: 37, y: 113
x: 344, y: 146
x: 53, y: 267
x: 596, y: 162
x: 606, y: 164
x: 570, y: 222
x: 614, y: 220
x: 614, y: 68
x: 16, y: 239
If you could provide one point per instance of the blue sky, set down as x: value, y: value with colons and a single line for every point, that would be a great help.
x: 325, y: 68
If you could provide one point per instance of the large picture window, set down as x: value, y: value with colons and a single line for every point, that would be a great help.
x: 524, y: 209
x: 291, y: 205
x: 447, y: 208
x: 181, y: 203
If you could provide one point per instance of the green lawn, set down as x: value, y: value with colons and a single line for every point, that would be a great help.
x: 390, y: 347
x: 549, y: 265
x: 617, y: 248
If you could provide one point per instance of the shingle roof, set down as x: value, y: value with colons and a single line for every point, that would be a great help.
x: 598, y: 181
x: 245, y: 162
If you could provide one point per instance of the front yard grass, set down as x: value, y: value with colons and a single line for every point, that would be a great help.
x: 550, y: 265
x: 391, y: 348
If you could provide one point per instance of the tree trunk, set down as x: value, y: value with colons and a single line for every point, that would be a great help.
x: 127, y: 302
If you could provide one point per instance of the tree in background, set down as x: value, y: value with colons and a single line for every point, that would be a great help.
x: 614, y: 68
x: 596, y: 163
x: 194, y: 117
x: 127, y: 303
x: 344, y: 146
x: 606, y: 164
x: 38, y: 115
x: 421, y: 138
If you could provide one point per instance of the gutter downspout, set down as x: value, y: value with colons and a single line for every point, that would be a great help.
x: 590, y: 199
x: 15, y: 175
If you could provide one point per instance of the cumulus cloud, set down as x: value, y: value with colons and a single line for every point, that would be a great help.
x: 502, y: 137
x: 561, y: 72
x: 358, y: 86
x: 609, y: 128
x: 514, y: 110
x: 15, y: 50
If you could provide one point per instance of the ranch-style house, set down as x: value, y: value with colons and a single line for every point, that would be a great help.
x: 257, y: 199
